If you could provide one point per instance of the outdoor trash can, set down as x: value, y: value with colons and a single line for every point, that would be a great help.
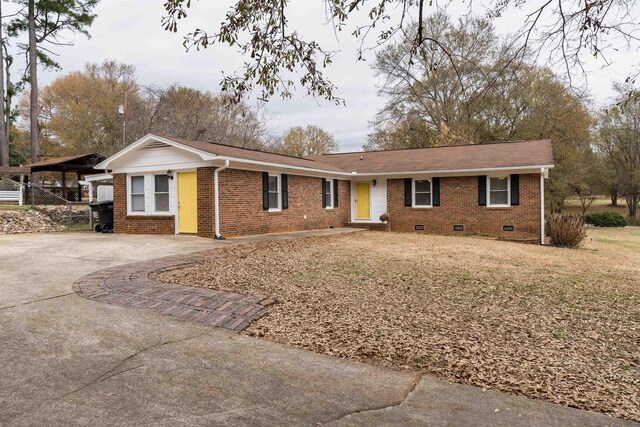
x: 105, y: 216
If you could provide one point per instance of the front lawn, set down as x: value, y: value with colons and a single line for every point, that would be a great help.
x: 555, y: 324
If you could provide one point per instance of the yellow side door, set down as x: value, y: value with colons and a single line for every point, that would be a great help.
x: 362, y: 201
x: 187, y: 202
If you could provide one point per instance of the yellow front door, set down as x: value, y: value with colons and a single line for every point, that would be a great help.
x: 362, y: 201
x: 187, y: 202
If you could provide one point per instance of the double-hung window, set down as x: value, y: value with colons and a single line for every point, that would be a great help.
x: 274, y: 192
x: 328, y: 191
x: 498, y: 191
x: 161, y: 193
x: 137, y: 194
x: 421, y: 193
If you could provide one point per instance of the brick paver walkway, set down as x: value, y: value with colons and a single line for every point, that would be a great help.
x: 136, y: 286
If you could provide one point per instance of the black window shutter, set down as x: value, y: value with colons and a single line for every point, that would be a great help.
x: 515, y: 190
x: 324, y: 193
x: 285, y: 191
x: 335, y: 193
x: 265, y: 191
x: 482, y: 190
x: 435, y: 182
x: 407, y: 192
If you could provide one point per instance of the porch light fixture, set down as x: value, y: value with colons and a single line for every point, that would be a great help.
x: 170, y: 174
x: 374, y: 182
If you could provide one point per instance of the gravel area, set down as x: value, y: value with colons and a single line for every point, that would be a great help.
x: 555, y: 324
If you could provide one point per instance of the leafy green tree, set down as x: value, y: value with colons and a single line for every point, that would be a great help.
x: 305, y: 141
x: 45, y: 21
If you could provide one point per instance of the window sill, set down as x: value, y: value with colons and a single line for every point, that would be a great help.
x: 329, y: 209
x: 499, y: 207
x: 142, y: 215
x: 274, y: 210
x: 421, y: 207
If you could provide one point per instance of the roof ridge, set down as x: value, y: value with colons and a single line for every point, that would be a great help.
x: 517, y: 141
x: 240, y: 148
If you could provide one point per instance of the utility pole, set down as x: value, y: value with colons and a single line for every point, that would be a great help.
x: 33, y: 79
x: 123, y: 110
x: 4, y: 141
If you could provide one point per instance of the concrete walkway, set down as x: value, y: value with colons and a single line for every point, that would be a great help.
x: 67, y: 360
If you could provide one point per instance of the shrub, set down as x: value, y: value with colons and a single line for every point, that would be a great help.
x: 606, y: 219
x: 566, y: 230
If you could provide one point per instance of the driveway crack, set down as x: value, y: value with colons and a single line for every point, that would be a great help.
x: 406, y: 397
x: 112, y: 372
x: 35, y: 301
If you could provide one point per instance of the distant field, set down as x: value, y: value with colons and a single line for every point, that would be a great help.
x: 573, y: 207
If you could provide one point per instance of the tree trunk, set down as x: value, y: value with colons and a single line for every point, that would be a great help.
x: 4, y: 140
x: 614, y: 198
x: 33, y: 80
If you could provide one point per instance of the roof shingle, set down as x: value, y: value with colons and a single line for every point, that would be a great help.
x: 450, y: 158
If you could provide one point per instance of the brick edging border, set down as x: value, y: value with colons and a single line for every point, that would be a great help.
x: 136, y: 286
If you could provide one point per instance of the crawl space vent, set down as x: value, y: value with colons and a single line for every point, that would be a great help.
x: 458, y: 228
x: 419, y: 227
x: 507, y: 228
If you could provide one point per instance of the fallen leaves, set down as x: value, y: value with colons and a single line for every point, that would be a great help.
x: 547, y: 323
x: 25, y: 221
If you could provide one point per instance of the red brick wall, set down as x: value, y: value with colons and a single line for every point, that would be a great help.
x: 459, y: 205
x: 206, y: 226
x: 136, y: 224
x: 241, y: 210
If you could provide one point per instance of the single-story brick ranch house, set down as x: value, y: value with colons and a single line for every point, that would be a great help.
x: 171, y: 185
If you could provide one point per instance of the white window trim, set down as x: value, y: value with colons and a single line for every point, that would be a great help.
x: 279, y: 208
x: 168, y: 193
x: 329, y: 202
x: 413, y: 193
x: 130, y: 193
x: 502, y: 205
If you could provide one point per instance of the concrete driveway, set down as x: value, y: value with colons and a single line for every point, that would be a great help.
x: 66, y: 360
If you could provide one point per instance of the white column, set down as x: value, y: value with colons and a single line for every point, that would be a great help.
x: 90, y: 189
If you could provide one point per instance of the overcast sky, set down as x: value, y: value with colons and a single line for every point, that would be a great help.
x: 130, y: 32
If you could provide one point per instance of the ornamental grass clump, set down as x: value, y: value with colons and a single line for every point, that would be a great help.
x: 566, y: 230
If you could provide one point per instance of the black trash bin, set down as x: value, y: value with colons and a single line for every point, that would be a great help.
x: 105, y: 216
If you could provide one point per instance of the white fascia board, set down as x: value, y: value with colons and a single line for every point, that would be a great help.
x: 278, y: 167
x: 151, y: 137
x: 98, y: 177
x: 281, y: 167
x: 175, y: 167
x: 456, y: 172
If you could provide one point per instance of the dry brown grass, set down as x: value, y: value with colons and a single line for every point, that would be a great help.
x: 549, y: 323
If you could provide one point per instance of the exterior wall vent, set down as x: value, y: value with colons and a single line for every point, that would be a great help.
x: 154, y: 144
x: 458, y: 227
x: 419, y: 227
x: 508, y: 228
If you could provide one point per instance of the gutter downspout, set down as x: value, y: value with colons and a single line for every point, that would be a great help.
x: 216, y: 201
x: 542, y: 173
